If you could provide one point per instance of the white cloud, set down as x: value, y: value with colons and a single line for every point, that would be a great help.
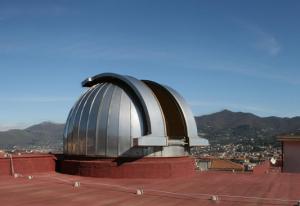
x: 264, y: 40
x: 268, y: 43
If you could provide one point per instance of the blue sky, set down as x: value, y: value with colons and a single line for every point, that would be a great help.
x: 237, y: 55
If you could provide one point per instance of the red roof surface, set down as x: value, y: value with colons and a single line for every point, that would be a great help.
x: 232, y: 188
x: 223, y: 164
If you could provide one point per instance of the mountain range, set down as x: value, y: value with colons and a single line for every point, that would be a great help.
x: 220, y: 128
x: 238, y: 127
x: 45, y: 134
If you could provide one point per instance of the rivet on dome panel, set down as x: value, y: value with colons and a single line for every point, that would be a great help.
x: 122, y: 116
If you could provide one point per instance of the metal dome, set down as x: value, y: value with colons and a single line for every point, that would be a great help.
x: 122, y: 116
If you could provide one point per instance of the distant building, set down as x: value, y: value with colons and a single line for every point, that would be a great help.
x: 290, y: 152
x: 203, y: 164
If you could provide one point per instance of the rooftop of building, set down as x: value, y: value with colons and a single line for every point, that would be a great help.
x: 224, y: 164
x: 290, y: 137
x: 230, y: 188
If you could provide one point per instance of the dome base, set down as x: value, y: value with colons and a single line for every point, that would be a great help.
x: 147, y: 167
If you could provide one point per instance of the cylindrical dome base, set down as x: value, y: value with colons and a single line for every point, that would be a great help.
x: 147, y: 167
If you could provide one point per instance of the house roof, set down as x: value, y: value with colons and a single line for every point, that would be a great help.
x: 223, y: 164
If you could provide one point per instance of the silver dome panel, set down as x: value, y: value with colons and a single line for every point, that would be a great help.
x: 103, y: 122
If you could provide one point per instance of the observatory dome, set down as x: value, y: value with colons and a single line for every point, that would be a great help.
x: 122, y: 116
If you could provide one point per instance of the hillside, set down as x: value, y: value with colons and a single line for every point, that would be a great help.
x: 46, y: 135
x: 238, y: 127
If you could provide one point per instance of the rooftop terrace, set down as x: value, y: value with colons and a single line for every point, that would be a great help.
x: 230, y: 188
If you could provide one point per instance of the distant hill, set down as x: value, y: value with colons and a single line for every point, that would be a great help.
x: 45, y: 134
x: 238, y: 127
x: 220, y: 128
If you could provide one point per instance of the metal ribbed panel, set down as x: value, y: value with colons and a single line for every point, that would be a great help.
x: 92, y: 120
x: 125, y: 141
x: 66, y: 131
x: 135, y: 123
x: 69, y: 129
x: 72, y: 128
x: 76, y: 149
x: 102, y: 121
x: 113, y: 124
x: 84, y: 119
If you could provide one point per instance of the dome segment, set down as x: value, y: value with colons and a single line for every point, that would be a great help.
x: 103, y: 122
x: 144, y: 99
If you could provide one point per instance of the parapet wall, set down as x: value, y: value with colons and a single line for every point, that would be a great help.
x: 148, y: 167
x: 130, y: 168
x: 26, y: 164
